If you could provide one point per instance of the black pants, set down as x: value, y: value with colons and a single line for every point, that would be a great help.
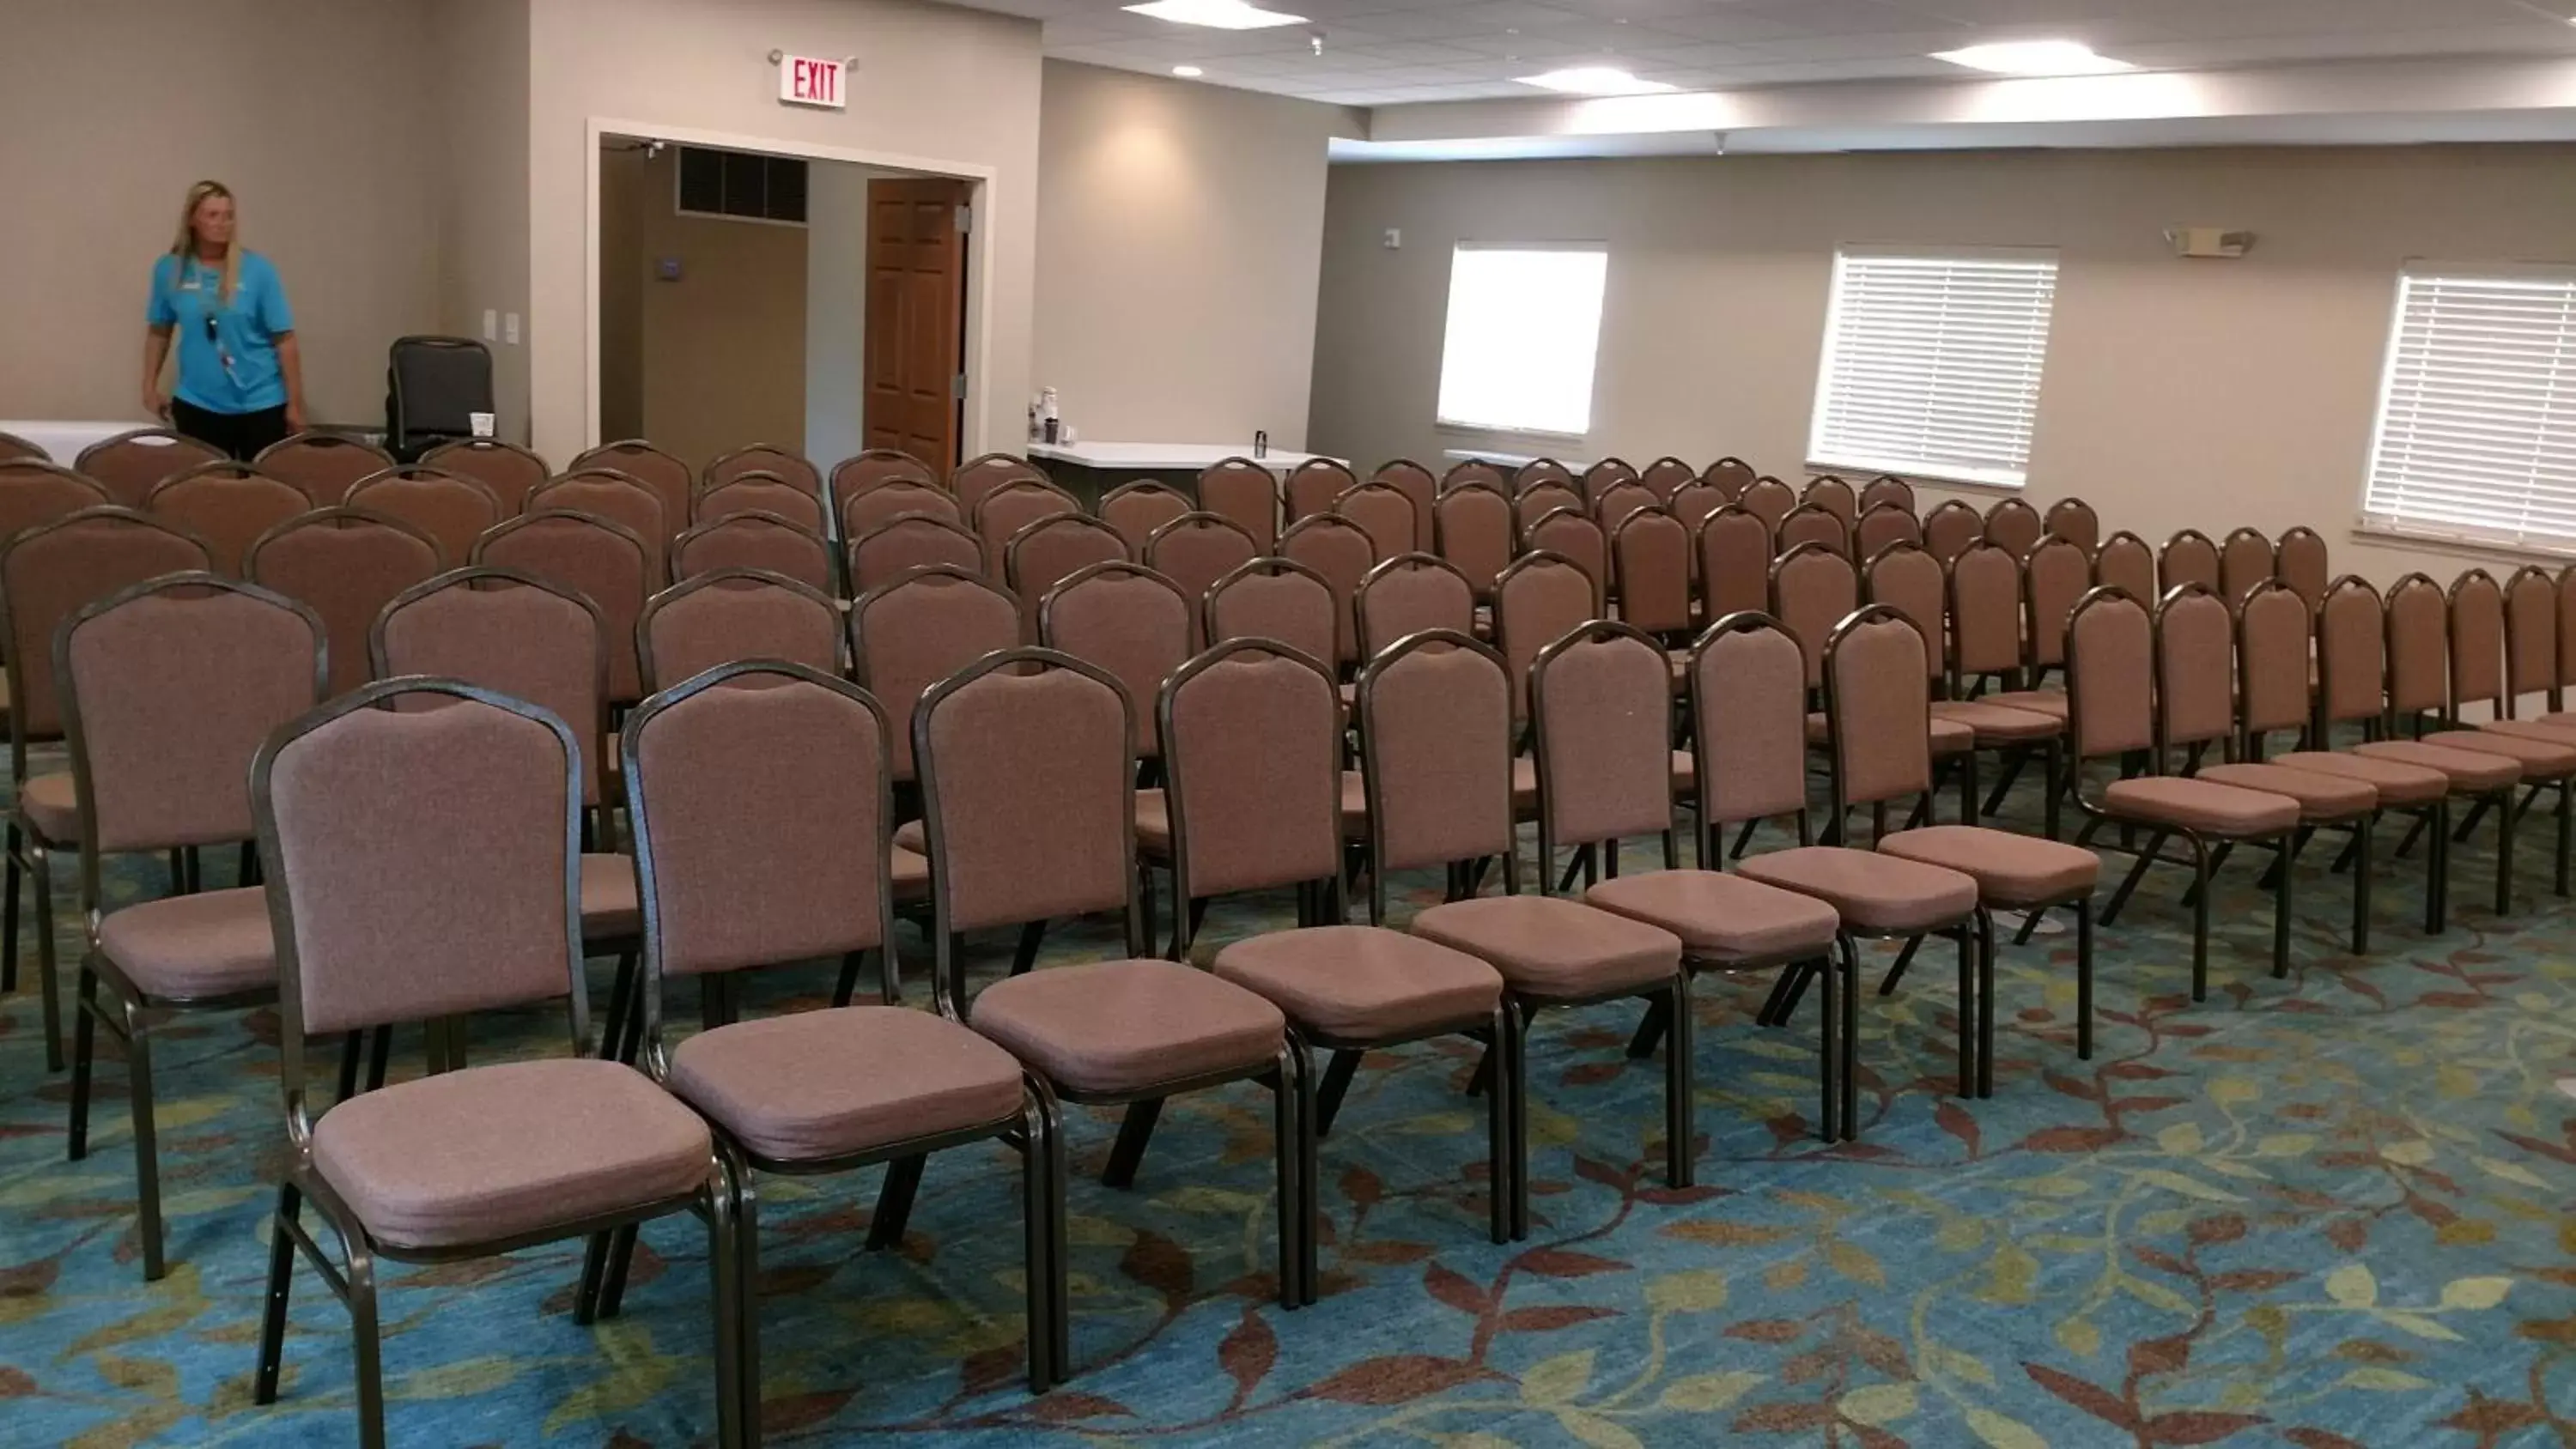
x: 240, y: 434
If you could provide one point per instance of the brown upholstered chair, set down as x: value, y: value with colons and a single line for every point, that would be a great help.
x: 1730, y: 476
x: 2244, y: 560
x: 798, y: 768
x: 2531, y: 644
x: 782, y: 463
x: 2545, y: 752
x: 1474, y: 528
x: 2187, y: 558
x: 1651, y: 553
x: 2055, y: 577
x: 1245, y: 494
x: 325, y: 465
x: 1833, y: 495
x: 619, y: 499
x: 228, y: 505
x: 1343, y: 553
x: 1566, y: 532
x: 920, y: 627
x: 1053, y: 549
x: 2299, y: 560
x: 604, y: 562
x: 872, y: 468
x: 980, y: 477
x: 452, y: 509
x: 33, y: 491
x: 1883, y: 525
x: 1128, y: 621
x: 758, y: 540
x: 14, y: 449
x: 1137, y: 509
x: 1541, y: 473
x: 1769, y: 499
x: 1667, y: 476
x: 1409, y: 593
x: 1436, y: 748
x: 2074, y: 520
x: 1476, y: 473
x: 1884, y: 489
x: 345, y: 564
x: 2014, y: 526
x: 909, y: 542
x: 1731, y: 559
x: 1028, y: 778
x: 1603, y: 476
x: 1949, y: 529
x: 1914, y: 584
x: 169, y: 687
x: 731, y: 615
x: 131, y: 464
x: 1694, y: 501
x: 1012, y: 507
x: 1312, y: 487
x: 1808, y: 523
x: 665, y: 477
x: 863, y: 512
x: 1541, y: 499
x: 1271, y: 598
x: 2124, y: 562
x: 1985, y: 608
x: 1416, y: 483
x: 1384, y: 514
x: 48, y: 573
x: 509, y: 470
x: 420, y: 865
x: 1541, y: 598
x: 1618, y: 501
x: 1197, y: 549
x: 756, y: 491
x: 1812, y: 588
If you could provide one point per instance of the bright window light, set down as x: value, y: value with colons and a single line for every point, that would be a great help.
x: 1188, y: 72
x: 1595, y: 80
x: 1932, y: 363
x: 2034, y: 57
x: 1217, y: 14
x: 1524, y: 324
x: 2477, y: 408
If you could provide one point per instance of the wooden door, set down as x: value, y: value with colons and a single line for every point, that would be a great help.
x: 916, y: 342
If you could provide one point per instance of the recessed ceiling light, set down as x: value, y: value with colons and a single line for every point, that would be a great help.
x: 2034, y: 57
x: 1595, y: 80
x: 1218, y: 14
x: 1188, y: 72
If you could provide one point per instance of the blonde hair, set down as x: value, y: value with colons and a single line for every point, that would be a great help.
x: 186, y: 244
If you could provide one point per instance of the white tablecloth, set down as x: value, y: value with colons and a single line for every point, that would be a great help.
x: 63, y: 440
x: 1166, y: 457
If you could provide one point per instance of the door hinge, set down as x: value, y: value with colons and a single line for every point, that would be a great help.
x: 965, y: 218
x: 957, y: 387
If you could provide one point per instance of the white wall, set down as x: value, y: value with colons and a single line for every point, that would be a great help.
x: 2209, y: 394
x: 482, y: 121
x: 836, y: 309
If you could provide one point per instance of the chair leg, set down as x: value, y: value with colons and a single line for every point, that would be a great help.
x: 1830, y: 1047
x: 1790, y: 976
x: 2013, y: 762
x: 1032, y: 936
x: 2137, y: 872
x: 1896, y: 973
x: 1650, y: 1027
x: 147, y: 1151
x: 1985, y: 1003
x: 2361, y: 832
x: 281, y: 1282
x: 1039, y: 1191
x: 1328, y: 1096
x: 2566, y: 833
x: 2029, y: 925
x: 2281, y: 912
x: 1681, y: 1132
x: 2052, y: 758
x: 594, y: 1270
x: 735, y: 1297
x: 2199, y: 916
x: 1743, y: 838
x: 9, y: 921
x: 2437, y: 871
x: 1287, y: 1150
x: 843, y: 989
x: 367, y: 1341
x: 84, y: 1056
x: 1965, y: 937
x: 1851, y: 1040
x: 894, y: 1202
x: 1500, y: 1134
x: 1134, y: 1131
x: 42, y: 869
x: 2084, y: 978
x: 2504, y: 856
x: 1309, y: 1179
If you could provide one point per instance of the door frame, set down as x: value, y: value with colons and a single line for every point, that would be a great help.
x: 979, y: 313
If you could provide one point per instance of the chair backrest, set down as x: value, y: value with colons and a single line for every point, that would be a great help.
x: 757, y: 540
x: 227, y: 505
x: 1949, y: 529
x: 1312, y: 486
x: 1832, y: 495
x: 1137, y: 509
x: 1474, y: 528
x: 131, y: 463
x: 1876, y: 709
x: 909, y: 542
x: 1730, y: 476
x: 324, y: 465
x: 2419, y: 639
x: 1748, y: 709
x: 1197, y: 549
x: 619, y: 499
x: 920, y: 628
x: 2053, y: 578
x: 1385, y: 515
x: 1053, y: 549
x: 345, y: 564
x: 2195, y: 667
x: 509, y: 470
x: 872, y: 468
x: 753, y: 490
x: 1885, y: 489
x: 979, y: 477
x: 1409, y: 593
x: 2531, y: 635
x: 1812, y: 589
x: 1769, y: 499
x: 1667, y: 476
x: 14, y: 448
x: 1130, y: 622
x: 2299, y: 560
x: 1011, y: 507
x: 2271, y: 660
x: 1252, y: 768
x: 763, y: 820
x: 1652, y: 551
x: 1539, y: 599
x: 33, y: 491
x: 1564, y: 531
x: 1808, y: 523
x: 1539, y: 500
x: 1694, y: 501
x: 2352, y: 653
x: 514, y: 633
x: 2015, y: 526
x: 1436, y: 756
x: 1336, y: 548
x: 2244, y: 560
x: 736, y: 614
x: 2110, y: 674
x: 2188, y: 558
x: 452, y: 509
x: 864, y: 512
x: 2477, y: 642
x: 1731, y: 554
x: 1244, y: 493
x: 169, y: 687
x: 1985, y: 611
x: 665, y: 477
x: 605, y: 563
x: 1416, y: 483
x: 783, y: 463
x: 1028, y: 778
x: 1604, y: 475
x: 1540, y: 472
x: 1913, y: 583
x: 2125, y: 562
x: 1601, y: 736
x: 1883, y: 524
x: 1271, y: 598
x: 1622, y: 498
x: 2074, y: 520
x: 1476, y: 473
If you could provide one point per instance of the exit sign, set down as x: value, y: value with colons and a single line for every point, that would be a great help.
x: 811, y: 80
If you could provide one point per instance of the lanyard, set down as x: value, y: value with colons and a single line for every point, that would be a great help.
x: 209, y: 285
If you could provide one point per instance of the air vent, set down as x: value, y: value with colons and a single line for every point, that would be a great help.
x: 741, y: 185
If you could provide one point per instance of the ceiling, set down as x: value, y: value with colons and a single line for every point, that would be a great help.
x: 1398, y: 52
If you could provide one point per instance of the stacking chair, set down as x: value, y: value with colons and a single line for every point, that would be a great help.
x: 1476, y: 473
x: 1731, y: 556
x: 1834, y: 496
x: 615, y: 498
x: 131, y: 464
x: 168, y: 689
x: 1409, y: 593
x: 419, y: 865
x: 1769, y: 499
x: 452, y: 509
x: 1272, y: 598
x: 758, y: 540
x: 2546, y: 752
x: 782, y: 463
x: 1618, y: 501
x: 1545, y: 472
x: 2112, y: 710
x: 1052, y: 549
x: 33, y: 491
x: 1601, y: 477
x: 509, y: 470
x: 1541, y: 499
x: 1809, y: 523
x: 1985, y: 607
x: 1029, y: 778
x: 1474, y: 528
x: 1885, y: 524
x: 15, y: 449
x: 2531, y: 643
x: 345, y: 564
x: 1385, y: 515
x: 1436, y: 749
x: 1129, y: 622
x: 755, y: 491
x: 48, y: 573
x: 1312, y: 486
x: 1885, y: 489
x: 228, y: 505
x: 1416, y: 483
x: 1694, y: 501
x: 1541, y: 598
x: 2124, y: 562
x: 2055, y: 578
x: 607, y: 564
x: 731, y: 615
x: 1667, y: 476
x: 762, y: 820
x: 665, y: 477
x: 1137, y: 509
x: 2015, y: 527
x: 900, y: 544
x: 2244, y: 560
x: 1341, y: 552
x: 1566, y: 532
x: 1730, y: 476
x: 1651, y: 552
x: 919, y: 628
x: 870, y: 467
x: 1812, y: 589
x: 980, y: 477
x: 2299, y: 560
x: 2188, y: 558
x: 1197, y: 549
x: 1245, y: 494
x: 897, y: 498
x: 2419, y: 689
x: 325, y: 465
x: 2074, y: 520
x: 1950, y: 529
x: 1004, y: 511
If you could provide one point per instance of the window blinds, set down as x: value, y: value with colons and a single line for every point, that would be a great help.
x: 2477, y: 411
x: 1932, y: 364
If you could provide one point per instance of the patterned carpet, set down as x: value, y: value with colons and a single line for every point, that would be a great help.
x: 2335, y: 1211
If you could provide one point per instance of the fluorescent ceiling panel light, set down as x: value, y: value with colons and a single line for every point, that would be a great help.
x: 1216, y: 14
x: 1188, y: 72
x: 1595, y: 80
x: 2034, y: 57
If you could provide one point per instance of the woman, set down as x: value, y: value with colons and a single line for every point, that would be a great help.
x: 241, y: 380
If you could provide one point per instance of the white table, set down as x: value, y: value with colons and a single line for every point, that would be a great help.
x: 63, y: 440
x: 1162, y: 457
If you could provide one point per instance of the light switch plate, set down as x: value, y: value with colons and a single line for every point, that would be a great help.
x: 510, y: 328
x: 491, y: 324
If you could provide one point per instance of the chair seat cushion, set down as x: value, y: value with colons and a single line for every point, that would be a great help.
x: 1949, y: 737
x: 1112, y: 1027
x: 2049, y: 702
x: 911, y: 875
x: 913, y: 835
x: 1361, y: 983
x: 2532, y: 729
x: 1998, y: 725
x: 183, y: 948
x: 1873, y: 892
x: 2539, y: 759
x: 51, y: 807
x: 2204, y: 806
x: 608, y: 907
x: 2397, y: 784
x: 2010, y: 870
x: 2472, y: 770
x: 822, y: 1084
x: 1547, y: 947
x: 1723, y: 919
x: 2320, y: 796
x: 1154, y: 823
x: 501, y: 1151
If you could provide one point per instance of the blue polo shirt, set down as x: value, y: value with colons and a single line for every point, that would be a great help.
x: 235, y: 370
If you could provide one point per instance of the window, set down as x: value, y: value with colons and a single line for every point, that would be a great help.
x: 1932, y: 363
x: 1524, y: 323
x: 2477, y: 410
x: 742, y: 186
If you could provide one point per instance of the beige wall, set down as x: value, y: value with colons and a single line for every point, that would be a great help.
x: 309, y: 109
x: 932, y: 83
x: 481, y: 55
x: 1178, y: 234
x: 2209, y: 394
x: 622, y: 268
